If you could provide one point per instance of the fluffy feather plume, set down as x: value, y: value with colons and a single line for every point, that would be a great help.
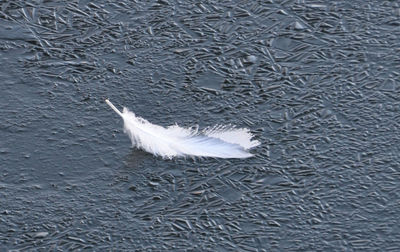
x: 175, y: 141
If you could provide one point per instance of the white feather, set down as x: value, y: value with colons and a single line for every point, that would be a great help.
x: 174, y: 141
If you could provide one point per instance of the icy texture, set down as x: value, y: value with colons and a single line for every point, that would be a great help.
x: 316, y: 81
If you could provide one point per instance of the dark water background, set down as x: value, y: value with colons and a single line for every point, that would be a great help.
x: 317, y: 82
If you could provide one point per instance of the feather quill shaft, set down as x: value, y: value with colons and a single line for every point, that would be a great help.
x: 175, y: 141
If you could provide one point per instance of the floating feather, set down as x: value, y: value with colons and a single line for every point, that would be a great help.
x: 175, y: 141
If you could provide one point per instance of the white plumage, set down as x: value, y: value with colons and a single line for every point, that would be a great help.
x: 175, y: 141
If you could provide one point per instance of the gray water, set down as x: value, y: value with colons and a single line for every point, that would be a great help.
x: 316, y: 82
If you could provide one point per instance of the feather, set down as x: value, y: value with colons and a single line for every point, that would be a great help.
x: 175, y: 141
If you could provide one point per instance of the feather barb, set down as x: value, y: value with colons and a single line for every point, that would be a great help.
x: 175, y: 141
